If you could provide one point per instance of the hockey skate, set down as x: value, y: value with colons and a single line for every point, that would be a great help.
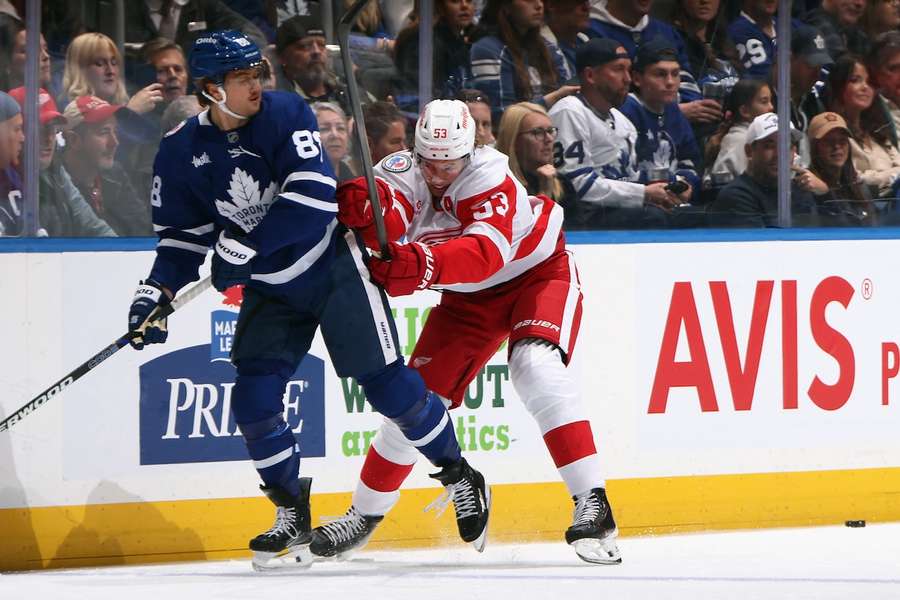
x: 593, y: 531
x: 341, y: 537
x: 286, y: 544
x: 471, y: 499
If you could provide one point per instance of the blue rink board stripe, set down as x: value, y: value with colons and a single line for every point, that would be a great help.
x: 52, y: 245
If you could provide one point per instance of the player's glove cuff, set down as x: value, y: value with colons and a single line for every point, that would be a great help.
x: 235, y: 251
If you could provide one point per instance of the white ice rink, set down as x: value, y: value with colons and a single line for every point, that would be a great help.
x: 811, y: 563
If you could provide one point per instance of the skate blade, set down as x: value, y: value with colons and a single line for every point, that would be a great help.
x: 481, y: 541
x: 598, y: 552
x: 296, y: 557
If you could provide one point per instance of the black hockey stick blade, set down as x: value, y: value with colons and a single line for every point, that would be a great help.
x: 343, y: 32
x: 95, y: 361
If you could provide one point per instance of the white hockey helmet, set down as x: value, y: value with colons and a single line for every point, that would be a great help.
x: 445, y: 130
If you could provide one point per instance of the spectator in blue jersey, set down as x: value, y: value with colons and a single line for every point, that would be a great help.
x: 666, y: 149
x: 839, y: 22
x: 453, y: 31
x: 89, y: 156
x: 11, y: 140
x: 513, y: 63
x: 753, y: 34
x: 566, y: 25
x: 248, y: 179
x: 751, y: 200
x: 629, y: 23
x: 62, y: 211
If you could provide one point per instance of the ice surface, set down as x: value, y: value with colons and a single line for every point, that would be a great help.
x: 815, y: 563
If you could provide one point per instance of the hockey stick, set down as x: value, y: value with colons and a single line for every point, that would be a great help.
x: 343, y: 32
x: 95, y: 360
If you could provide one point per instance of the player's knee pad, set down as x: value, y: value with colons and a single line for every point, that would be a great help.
x: 259, y: 390
x: 394, y: 389
x: 399, y: 393
x: 544, y: 384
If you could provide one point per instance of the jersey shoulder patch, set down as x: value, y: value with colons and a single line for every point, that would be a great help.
x: 397, y: 163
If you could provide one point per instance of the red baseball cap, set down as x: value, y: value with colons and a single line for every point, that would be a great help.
x: 46, y: 106
x: 89, y: 109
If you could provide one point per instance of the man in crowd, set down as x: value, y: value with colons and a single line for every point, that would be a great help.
x: 753, y: 34
x: 304, y: 66
x: 666, y: 149
x: 565, y: 27
x: 838, y: 20
x: 62, y: 210
x: 11, y: 140
x: 91, y: 135
x: 595, y: 146
x: 751, y: 200
x: 169, y: 63
x: 884, y: 70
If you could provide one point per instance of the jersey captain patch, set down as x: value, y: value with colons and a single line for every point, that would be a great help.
x: 398, y: 163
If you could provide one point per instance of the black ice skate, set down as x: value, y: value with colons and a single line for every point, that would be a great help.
x: 593, y: 531
x: 471, y: 499
x: 341, y: 537
x: 286, y: 544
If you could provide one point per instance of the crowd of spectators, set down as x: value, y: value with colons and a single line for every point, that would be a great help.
x: 628, y: 113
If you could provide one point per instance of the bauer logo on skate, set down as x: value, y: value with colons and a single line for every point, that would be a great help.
x: 185, y: 403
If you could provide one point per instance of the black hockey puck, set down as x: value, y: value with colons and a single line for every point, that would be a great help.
x: 859, y: 523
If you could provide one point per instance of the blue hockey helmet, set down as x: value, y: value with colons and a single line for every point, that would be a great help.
x: 220, y: 52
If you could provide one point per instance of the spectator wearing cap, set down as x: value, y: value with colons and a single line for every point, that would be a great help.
x: 841, y: 196
x: 629, y: 22
x: 751, y: 200
x: 883, y: 63
x: 453, y: 31
x: 595, y: 147
x: 753, y: 34
x: 62, y: 211
x: 839, y: 22
x: 808, y: 57
x: 303, y: 64
x: 850, y: 94
x: 666, y: 149
x: 513, y: 63
x: 89, y: 157
x: 566, y: 25
x: 11, y: 140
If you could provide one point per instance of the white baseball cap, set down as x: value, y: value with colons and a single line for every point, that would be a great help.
x: 765, y: 125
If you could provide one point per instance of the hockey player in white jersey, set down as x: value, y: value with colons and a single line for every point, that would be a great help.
x: 500, y: 256
x: 595, y: 146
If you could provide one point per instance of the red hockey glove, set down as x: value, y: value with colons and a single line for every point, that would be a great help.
x: 412, y: 267
x: 354, y: 207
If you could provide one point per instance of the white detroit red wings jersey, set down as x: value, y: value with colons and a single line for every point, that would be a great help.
x: 485, y: 202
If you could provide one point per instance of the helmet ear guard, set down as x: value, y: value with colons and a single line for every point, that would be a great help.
x: 445, y: 131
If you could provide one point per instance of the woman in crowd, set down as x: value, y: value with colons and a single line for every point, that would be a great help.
x: 335, y: 128
x: 12, y: 32
x: 480, y: 109
x: 842, y: 197
x: 873, y: 151
x: 526, y: 135
x: 725, y: 148
x: 94, y: 67
x: 513, y: 63
x: 701, y: 24
x: 453, y: 29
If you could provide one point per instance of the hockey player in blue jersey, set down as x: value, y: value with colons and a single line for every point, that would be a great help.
x: 248, y: 176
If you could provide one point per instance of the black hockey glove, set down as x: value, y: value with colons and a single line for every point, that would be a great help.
x: 231, y: 261
x: 148, y: 296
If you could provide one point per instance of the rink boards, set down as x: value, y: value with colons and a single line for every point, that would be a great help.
x: 732, y: 384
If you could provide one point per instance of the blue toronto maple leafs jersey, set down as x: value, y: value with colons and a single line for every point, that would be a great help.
x: 756, y: 50
x: 664, y: 141
x: 268, y: 180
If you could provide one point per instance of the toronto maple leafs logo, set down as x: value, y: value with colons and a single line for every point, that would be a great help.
x: 246, y: 206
